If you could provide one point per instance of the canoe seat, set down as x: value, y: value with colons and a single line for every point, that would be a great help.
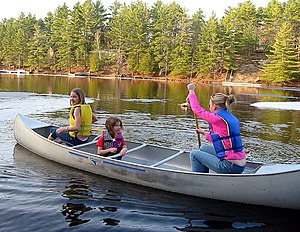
x: 167, y: 159
x: 175, y: 168
x: 136, y: 160
x: 250, y: 170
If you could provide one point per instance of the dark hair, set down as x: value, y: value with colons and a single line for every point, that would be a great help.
x: 80, y: 94
x: 111, y: 122
x: 222, y: 100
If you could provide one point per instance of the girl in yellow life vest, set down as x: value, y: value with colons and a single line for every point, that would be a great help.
x: 81, y: 119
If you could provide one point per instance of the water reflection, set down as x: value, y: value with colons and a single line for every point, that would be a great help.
x: 111, y: 221
x: 77, y: 190
x: 72, y: 212
x: 199, y: 225
x: 145, y: 203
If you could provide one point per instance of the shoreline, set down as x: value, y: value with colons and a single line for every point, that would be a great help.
x: 248, y: 82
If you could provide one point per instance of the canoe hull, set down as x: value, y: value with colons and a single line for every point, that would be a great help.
x: 274, y: 189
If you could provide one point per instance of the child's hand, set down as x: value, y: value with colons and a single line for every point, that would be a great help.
x: 123, y: 151
x: 60, y: 130
x: 113, y: 150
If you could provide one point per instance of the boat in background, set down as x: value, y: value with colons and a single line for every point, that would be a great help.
x: 79, y: 74
x: 241, y: 84
x: 275, y: 185
x: 18, y: 72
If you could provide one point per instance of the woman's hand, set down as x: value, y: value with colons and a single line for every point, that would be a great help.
x: 191, y: 87
x: 201, y: 131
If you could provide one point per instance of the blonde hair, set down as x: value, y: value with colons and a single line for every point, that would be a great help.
x: 222, y: 100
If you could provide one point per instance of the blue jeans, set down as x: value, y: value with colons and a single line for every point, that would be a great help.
x: 65, y: 136
x: 206, y: 158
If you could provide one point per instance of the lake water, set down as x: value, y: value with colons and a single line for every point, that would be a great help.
x: 39, y: 195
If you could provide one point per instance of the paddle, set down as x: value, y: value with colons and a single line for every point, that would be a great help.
x: 97, y: 129
x: 197, y: 127
x: 192, y: 87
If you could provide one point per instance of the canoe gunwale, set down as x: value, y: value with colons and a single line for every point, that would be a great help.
x: 155, y: 165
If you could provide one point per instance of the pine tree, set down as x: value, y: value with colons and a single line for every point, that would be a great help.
x: 244, y: 21
x: 137, y: 37
x: 196, y: 28
x: 116, y: 37
x: 164, y: 33
x: 20, y: 41
x: 48, y: 30
x: 181, y: 55
x: 209, y: 53
x: 90, y: 26
x: 100, y: 56
x: 270, y: 25
x: 284, y: 64
x: 292, y: 15
x: 7, y: 50
x: 61, y: 38
x: 37, y: 49
x: 228, y: 47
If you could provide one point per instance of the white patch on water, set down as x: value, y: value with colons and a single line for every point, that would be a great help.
x: 277, y: 105
x: 143, y: 100
x: 12, y: 103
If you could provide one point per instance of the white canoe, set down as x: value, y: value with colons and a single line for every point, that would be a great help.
x: 275, y: 185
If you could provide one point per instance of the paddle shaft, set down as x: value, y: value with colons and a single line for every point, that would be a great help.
x: 97, y: 129
x: 197, y: 126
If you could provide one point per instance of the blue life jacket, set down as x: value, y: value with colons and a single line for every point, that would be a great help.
x: 233, y: 129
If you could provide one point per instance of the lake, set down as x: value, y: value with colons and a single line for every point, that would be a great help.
x: 38, y: 195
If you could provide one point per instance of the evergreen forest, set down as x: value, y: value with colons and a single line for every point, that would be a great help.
x: 158, y: 40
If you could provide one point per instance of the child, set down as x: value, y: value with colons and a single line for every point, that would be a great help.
x: 81, y: 119
x: 112, y: 141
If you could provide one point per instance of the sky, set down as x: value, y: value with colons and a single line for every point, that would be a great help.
x: 40, y: 8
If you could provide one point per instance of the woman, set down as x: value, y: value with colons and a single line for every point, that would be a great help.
x: 81, y: 119
x: 112, y: 142
x: 227, y: 154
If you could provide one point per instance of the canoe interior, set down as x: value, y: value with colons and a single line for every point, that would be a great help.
x: 148, y: 155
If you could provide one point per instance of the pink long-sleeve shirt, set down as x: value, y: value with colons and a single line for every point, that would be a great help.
x: 218, y: 126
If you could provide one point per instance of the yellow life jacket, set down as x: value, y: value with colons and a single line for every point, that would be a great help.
x: 86, y: 120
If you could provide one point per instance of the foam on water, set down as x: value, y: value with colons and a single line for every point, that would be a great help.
x: 277, y: 105
x: 12, y: 103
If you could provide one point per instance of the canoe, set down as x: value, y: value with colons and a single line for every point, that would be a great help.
x: 275, y: 185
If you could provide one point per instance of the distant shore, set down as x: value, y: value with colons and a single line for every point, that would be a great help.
x: 249, y: 81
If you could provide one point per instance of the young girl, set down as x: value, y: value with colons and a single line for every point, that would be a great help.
x: 81, y: 119
x: 112, y: 141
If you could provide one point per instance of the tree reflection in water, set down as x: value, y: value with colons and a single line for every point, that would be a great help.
x: 80, y: 190
x: 72, y: 212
